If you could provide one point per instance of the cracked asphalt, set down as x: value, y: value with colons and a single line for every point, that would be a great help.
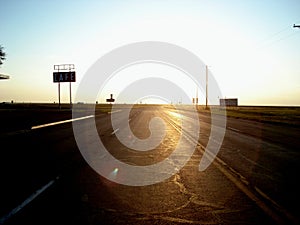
x: 79, y: 195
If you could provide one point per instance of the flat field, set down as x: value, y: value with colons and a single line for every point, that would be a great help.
x: 271, y: 114
x: 22, y: 116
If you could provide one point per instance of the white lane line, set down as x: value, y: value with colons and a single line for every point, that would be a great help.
x: 233, y: 129
x: 119, y: 110
x: 27, y: 201
x: 115, y: 131
x: 60, y: 122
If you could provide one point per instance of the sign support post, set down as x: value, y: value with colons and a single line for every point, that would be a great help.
x: 59, y: 93
x: 70, y: 96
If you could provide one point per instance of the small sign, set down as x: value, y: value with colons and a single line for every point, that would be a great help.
x: 111, y: 99
x: 64, y: 77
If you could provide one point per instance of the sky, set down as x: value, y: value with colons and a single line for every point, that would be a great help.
x: 250, y: 47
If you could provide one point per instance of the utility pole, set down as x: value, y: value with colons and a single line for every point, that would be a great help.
x: 296, y: 26
x: 196, y: 100
x: 206, y: 97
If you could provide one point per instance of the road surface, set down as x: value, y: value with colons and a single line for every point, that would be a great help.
x: 253, y: 180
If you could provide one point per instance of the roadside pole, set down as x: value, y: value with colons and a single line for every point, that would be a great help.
x: 59, y: 106
x: 206, y: 96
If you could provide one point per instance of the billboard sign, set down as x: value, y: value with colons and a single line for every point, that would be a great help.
x: 64, y: 76
x: 228, y: 102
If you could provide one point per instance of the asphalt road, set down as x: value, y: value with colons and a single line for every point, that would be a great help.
x: 253, y: 180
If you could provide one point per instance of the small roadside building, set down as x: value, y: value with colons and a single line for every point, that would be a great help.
x: 228, y: 102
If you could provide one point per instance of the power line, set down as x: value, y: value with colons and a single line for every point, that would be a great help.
x: 275, y: 34
x: 271, y: 41
x: 280, y: 39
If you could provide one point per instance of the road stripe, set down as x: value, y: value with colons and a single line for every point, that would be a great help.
x: 60, y: 122
x: 115, y: 131
x: 233, y: 129
x: 27, y: 201
x: 119, y: 110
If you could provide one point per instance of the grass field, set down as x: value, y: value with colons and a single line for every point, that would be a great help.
x: 270, y: 114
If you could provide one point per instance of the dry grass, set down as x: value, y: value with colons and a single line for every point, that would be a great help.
x: 270, y: 114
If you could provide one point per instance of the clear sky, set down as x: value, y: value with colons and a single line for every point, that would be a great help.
x: 250, y: 46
